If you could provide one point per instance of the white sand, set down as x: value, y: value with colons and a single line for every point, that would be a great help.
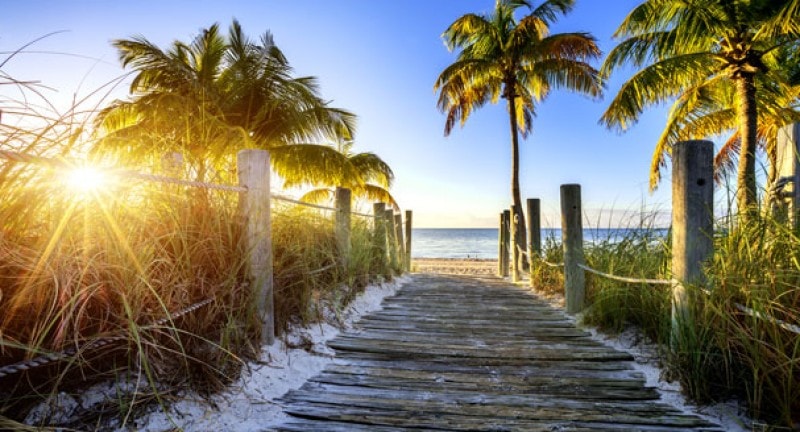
x: 249, y: 404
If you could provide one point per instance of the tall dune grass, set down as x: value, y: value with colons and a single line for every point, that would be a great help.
x: 113, y: 263
x: 724, y: 352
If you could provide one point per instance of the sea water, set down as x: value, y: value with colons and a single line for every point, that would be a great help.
x: 482, y: 242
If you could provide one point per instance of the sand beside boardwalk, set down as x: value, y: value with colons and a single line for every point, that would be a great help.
x: 470, y: 266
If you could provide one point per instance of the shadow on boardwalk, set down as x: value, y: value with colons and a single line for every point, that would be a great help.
x: 468, y: 353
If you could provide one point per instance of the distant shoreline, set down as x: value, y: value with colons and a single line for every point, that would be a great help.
x: 470, y: 266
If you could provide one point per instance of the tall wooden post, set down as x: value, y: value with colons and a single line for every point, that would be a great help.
x: 572, y: 240
x: 379, y: 233
x: 391, y: 239
x: 506, y: 241
x: 692, y: 223
x: 516, y: 253
x: 343, y: 201
x: 787, y: 170
x: 401, y: 244
x: 409, y: 227
x: 254, y: 206
x: 500, y: 246
x: 534, y: 233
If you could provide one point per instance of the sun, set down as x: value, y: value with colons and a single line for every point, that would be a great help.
x: 86, y: 179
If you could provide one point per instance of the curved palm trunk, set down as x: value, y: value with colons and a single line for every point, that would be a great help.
x: 518, y: 217
x: 746, y: 197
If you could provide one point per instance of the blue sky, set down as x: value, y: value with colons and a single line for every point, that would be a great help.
x: 378, y: 59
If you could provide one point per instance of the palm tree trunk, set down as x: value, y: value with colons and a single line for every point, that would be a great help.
x: 518, y: 217
x: 747, y: 119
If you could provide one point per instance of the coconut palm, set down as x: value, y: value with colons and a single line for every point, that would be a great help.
x: 702, y: 52
x: 219, y: 94
x: 371, y: 178
x: 519, y: 61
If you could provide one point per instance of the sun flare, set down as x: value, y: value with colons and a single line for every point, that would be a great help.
x: 86, y: 179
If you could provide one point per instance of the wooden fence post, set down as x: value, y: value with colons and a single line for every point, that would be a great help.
x: 409, y: 227
x: 379, y: 233
x: 534, y: 233
x: 500, y: 246
x: 343, y: 199
x: 391, y: 240
x: 515, y: 245
x: 788, y: 169
x: 254, y: 205
x: 504, y: 244
x: 572, y: 240
x: 401, y: 245
x: 692, y: 223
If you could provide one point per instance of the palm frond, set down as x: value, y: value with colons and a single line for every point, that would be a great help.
x: 313, y: 164
x: 318, y: 196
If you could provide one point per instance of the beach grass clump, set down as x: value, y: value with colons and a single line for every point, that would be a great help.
x: 96, y: 281
x: 740, y: 338
x: 547, y: 277
x: 755, y: 282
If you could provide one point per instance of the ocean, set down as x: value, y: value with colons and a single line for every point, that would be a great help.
x: 482, y: 242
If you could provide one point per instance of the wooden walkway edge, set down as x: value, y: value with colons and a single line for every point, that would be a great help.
x: 476, y: 354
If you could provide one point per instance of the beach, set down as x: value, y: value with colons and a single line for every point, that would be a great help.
x: 464, y: 266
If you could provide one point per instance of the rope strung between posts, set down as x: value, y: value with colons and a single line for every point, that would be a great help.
x: 744, y: 309
x: 284, y: 198
x: 95, y: 344
x: 549, y: 264
x: 626, y: 279
x: 63, y: 164
x: 780, y: 323
x: 794, y: 328
x: 320, y: 270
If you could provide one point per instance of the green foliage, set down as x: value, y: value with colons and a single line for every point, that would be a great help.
x: 722, y: 64
x: 723, y: 351
x: 519, y: 61
x: 218, y: 94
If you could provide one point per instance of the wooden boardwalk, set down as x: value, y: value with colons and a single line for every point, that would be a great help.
x: 471, y: 354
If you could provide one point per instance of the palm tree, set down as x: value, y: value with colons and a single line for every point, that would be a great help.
x: 519, y: 61
x: 702, y: 52
x: 371, y: 178
x: 215, y: 95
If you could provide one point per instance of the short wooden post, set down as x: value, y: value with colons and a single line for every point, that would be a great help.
x: 401, y: 245
x: 535, y: 234
x: 409, y: 228
x: 506, y: 241
x: 379, y: 233
x: 391, y: 239
x: 572, y: 240
x: 692, y: 224
x: 343, y: 199
x: 172, y: 164
x: 254, y: 206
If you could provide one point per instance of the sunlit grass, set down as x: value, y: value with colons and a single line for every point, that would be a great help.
x: 87, y: 253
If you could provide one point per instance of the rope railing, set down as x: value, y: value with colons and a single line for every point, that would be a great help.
x: 756, y: 314
x: 70, y: 352
x: 742, y: 308
x: 550, y: 264
x: 625, y: 279
x: 284, y: 198
x: 64, y: 164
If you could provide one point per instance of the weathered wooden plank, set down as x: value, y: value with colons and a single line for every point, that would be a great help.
x: 512, y: 419
x: 534, y: 407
